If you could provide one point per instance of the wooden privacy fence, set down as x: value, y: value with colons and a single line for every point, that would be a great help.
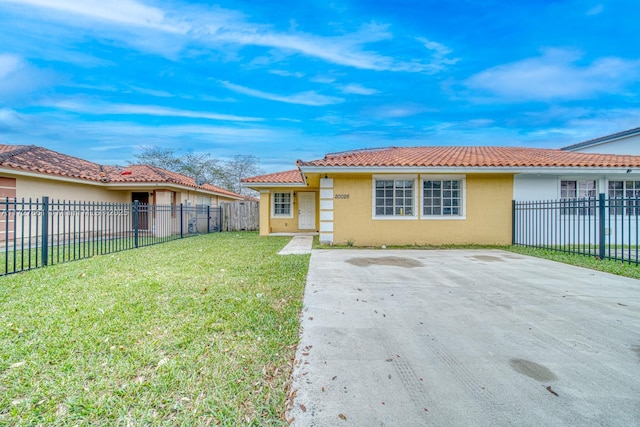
x: 240, y: 216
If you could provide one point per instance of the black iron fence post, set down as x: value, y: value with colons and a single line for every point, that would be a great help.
x: 601, y: 225
x: 45, y: 231
x: 208, y: 219
x: 136, y: 223
x: 513, y: 222
x: 181, y: 222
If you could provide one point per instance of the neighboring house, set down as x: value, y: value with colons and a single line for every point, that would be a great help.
x: 31, y: 172
x: 625, y: 142
x: 430, y: 195
x: 28, y: 171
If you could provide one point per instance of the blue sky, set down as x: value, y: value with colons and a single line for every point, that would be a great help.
x: 286, y: 79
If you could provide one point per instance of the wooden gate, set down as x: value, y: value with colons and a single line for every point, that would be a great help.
x: 240, y: 216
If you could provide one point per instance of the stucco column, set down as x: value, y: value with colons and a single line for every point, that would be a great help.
x: 265, y: 212
x: 326, y: 210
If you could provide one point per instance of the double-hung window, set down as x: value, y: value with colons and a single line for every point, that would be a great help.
x: 281, y: 205
x: 442, y: 197
x: 579, y: 197
x: 624, y: 197
x: 394, y: 197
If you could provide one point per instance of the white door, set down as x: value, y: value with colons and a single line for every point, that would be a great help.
x: 306, y: 211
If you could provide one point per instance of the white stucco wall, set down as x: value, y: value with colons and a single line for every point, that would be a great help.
x: 629, y: 145
x: 547, y: 187
x: 534, y: 187
x: 35, y: 188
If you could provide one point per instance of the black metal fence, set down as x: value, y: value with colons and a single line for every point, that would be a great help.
x: 37, y: 233
x: 602, y: 227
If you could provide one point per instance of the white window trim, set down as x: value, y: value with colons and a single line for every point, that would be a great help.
x: 622, y: 210
x: 273, y: 204
x: 463, y: 207
x: 580, y: 178
x: 415, y: 206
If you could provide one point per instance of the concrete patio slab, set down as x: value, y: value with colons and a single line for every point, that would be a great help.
x: 461, y: 337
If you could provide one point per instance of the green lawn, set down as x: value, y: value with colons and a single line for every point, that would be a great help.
x: 607, y: 265
x: 200, y: 331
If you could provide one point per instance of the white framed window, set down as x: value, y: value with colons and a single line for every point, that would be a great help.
x: 394, y: 197
x: 203, y: 200
x: 582, y: 189
x: 201, y: 203
x: 282, y: 204
x: 443, y: 196
x: 624, y: 197
x: 579, y: 196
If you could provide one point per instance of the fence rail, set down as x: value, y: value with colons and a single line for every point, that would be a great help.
x: 603, y: 227
x: 37, y: 233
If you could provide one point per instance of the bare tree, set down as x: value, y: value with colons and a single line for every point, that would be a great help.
x: 157, y: 156
x: 240, y: 166
x: 202, y: 167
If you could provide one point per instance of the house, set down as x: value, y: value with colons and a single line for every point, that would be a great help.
x: 430, y: 195
x: 625, y: 142
x: 29, y: 171
x: 32, y: 172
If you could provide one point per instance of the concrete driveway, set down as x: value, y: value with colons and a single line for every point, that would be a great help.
x: 465, y: 338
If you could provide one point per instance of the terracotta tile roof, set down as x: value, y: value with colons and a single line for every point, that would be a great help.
x: 41, y: 160
x: 470, y: 157
x: 287, y: 177
x: 147, y: 173
x: 36, y: 159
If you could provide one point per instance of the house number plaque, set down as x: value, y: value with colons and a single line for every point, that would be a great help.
x: 341, y: 196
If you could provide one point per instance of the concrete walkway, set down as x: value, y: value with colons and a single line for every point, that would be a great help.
x: 299, y: 245
x: 465, y: 338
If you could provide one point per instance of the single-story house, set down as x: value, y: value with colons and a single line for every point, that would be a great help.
x: 430, y: 195
x: 32, y: 172
x: 29, y: 171
x: 625, y: 142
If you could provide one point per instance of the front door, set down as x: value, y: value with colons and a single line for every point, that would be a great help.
x: 306, y: 211
x: 143, y: 209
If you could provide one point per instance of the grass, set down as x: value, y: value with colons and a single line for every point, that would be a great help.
x: 606, y: 265
x: 199, y: 331
x: 16, y: 259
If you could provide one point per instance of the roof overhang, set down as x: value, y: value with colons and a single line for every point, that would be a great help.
x: 602, y: 140
x: 121, y: 186
x: 273, y: 184
x: 276, y: 184
x: 458, y: 170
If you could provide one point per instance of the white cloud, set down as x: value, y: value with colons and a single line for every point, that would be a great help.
x: 10, y: 119
x: 336, y: 50
x: 323, y: 79
x: 595, y: 10
x: 19, y: 78
x: 146, y: 110
x: 218, y: 28
x: 124, y: 12
x: 285, y: 73
x: 440, y: 60
x: 9, y: 64
x: 357, y: 89
x: 555, y: 75
x: 310, y: 98
x: 397, y: 111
